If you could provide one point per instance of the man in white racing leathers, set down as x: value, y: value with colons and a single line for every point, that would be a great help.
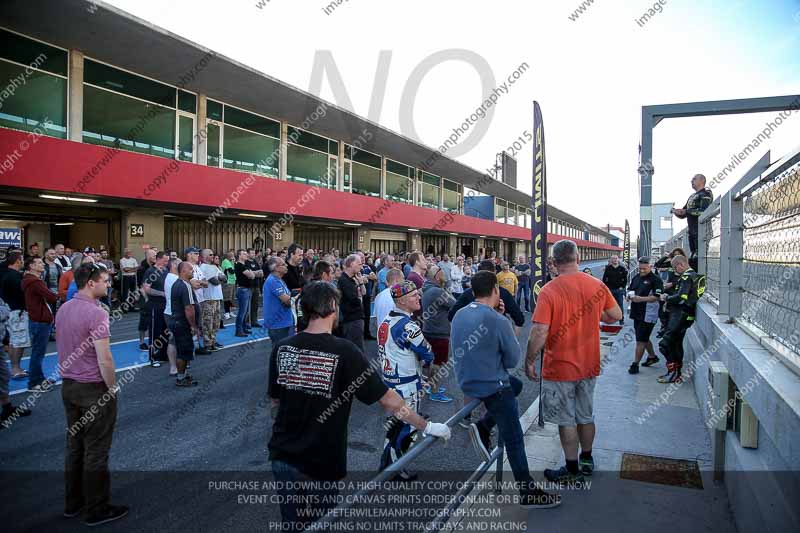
x: 402, y: 349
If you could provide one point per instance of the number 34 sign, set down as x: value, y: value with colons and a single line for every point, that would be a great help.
x: 137, y: 230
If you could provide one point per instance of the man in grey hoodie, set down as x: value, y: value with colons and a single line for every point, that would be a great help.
x: 485, y: 349
x: 436, y: 303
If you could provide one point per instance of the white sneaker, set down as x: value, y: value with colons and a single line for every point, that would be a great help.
x: 227, y: 316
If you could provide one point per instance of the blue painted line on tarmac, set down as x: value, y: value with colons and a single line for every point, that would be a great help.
x: 128, y: 355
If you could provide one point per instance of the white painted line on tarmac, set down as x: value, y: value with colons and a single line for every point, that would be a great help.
x: 122, y: 369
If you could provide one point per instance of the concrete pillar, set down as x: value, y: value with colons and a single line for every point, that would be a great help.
x: 283, y: 151
x: 75, y: 112
x: 383, y: 177
x: 452, y: 245
x: 340, y: 165
x: 153, y: 222
x: 725, y: 255
x: 202, y: 130
x: 735, y: 258
x: 362, y: 239
x: 284, y: 237
x: 414, y: 242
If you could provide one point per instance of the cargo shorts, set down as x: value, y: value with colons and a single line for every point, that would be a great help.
x: 568, y: 403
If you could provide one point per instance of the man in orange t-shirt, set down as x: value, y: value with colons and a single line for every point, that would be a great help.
x: 566, y: 323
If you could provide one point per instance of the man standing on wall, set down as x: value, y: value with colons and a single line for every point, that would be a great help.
x: 698, y: 202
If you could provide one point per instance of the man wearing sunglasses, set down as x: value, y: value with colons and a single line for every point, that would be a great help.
x: 89, y: 393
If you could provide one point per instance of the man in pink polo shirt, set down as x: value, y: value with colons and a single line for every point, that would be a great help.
x: 89, y: 395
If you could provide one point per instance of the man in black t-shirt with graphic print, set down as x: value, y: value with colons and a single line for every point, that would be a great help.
x: 643, y: 293
x: 313, y: 377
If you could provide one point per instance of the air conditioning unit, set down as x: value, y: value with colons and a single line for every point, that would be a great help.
x: 718, y: 382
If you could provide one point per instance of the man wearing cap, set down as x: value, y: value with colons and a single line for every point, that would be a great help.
x: 198, y: 283
x: 402, y: 349
x: 212, y: 299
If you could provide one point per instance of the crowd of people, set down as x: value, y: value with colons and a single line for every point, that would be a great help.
x: 432, y: 315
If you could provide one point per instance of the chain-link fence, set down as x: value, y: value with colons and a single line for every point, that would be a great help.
x: 749, y: 242
x: 771, y: 268
x: 711, y: 254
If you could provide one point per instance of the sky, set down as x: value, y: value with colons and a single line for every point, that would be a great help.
x: 591, y: 74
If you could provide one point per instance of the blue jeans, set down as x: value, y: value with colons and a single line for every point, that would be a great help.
x: 291, y: 499
x: 40, y: 335
x: 277, y: 335
x: 243, y: 301
x: 619, y: 296
x: 524, y: 290
x: 502, y: 410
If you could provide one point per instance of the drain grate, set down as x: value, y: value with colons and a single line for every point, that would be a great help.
x: 661, y: 470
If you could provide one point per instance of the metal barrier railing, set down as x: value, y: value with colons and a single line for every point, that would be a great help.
x: 750, y: 252
x: 710, y: 253
x: 336, y: 513
x: 679, y: 240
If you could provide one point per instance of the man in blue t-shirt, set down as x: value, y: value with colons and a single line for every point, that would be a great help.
x: 278, y: 318
x: 386, y: 266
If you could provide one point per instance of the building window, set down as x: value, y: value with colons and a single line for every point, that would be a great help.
x: 511, y: 217
x: 310, y: 167
x: 214, y: 144
x: 250, y: 151
x: 429, y: 187
x: 399, y: 182
x: 500, y: 210
x: 311, y: 159
x: 452, y: 196
x: 186, y: 138
x: 240, y: 140
x: 118, y: 121
x: 39, y: 104
x: 129, y: 112
x: 666, y: 222
x: 364, y: 172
